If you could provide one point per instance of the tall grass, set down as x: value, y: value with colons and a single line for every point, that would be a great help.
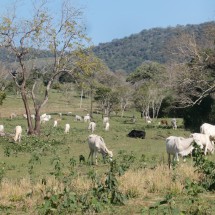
x: 136, y: 184
x: 158, y: 180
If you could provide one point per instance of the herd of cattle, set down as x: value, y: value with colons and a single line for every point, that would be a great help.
x: 180, y: 146
x: 175, y: 146
x: 95, y: 142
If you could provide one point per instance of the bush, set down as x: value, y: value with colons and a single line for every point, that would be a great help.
x: 195, y: 116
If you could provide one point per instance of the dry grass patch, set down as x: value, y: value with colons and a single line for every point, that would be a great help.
x: 25, y: 194
x: 143, y: 182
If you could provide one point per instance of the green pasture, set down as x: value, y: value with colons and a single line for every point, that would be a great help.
x: 35, y: 156
x: 53, y: 142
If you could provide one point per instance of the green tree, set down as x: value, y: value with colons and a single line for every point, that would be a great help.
x: 88, y: 69
x: 150, y: 91
x: 108, y: 99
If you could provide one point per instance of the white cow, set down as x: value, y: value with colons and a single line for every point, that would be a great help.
x: 18, y: 133
x: 174, y: 123
x: 45, y: 118
x: 25, y: 116
x: 1, y: 128
x: 13, y: 115
x: 178, y: 146
x: 87, y: 118
x: 97, y: 145
x: 42, y: 117
x: 204, y: 141
x: 208, y: 129
x: 105, y: 119
x: 55, y: 123
x: 107, y: 126
x: 67, y: 128
x: 92, y: 126
x: 78, y: 118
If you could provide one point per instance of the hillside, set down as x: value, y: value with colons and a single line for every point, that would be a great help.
x: 129, y: 52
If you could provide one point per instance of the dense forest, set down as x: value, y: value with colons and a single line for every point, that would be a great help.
x: 130, y: 52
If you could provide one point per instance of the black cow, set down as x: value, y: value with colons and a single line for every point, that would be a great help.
x: 137, y: 134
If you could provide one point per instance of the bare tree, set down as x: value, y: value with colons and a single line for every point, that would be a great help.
x: 24, y: 37
x: 195, y: 74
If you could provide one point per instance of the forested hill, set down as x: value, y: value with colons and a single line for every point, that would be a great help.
x: 130, y: 52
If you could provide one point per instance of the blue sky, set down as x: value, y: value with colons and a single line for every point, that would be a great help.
x: 114, y: 19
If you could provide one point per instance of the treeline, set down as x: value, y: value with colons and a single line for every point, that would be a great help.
x: 6, y: 56
x: 149, y: 45
x: 128, y: 53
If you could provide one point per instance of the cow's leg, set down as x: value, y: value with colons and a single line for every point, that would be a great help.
x: 169, y: 161
x: 96, y: 157
x: 176, y: 157
x: 206, y: 148
x: 90, y: 155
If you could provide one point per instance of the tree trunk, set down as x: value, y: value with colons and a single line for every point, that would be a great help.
x: 82, y: 93
x: 27, y: 110
x: 91, y: 102
x: 37, y: 121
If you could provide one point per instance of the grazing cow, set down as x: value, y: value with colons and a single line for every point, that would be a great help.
x: 87, y: 118
x: 204, y: 141
x: 12, y: 115
x: 25, y: 116
x: 107, y: 126
x: 97, y: 145
x: 105, y: 119
x: 55, y: 123
x: 178, y: 146
x: 148, y: 119
x: 174, y: 123
x: 164, y: 122
x: 78, y: 118
x: 18, y: 133
x: 92, y: 126
x: 137, y: 134
x: 67, y: 128
x: 42, y: 117
x: 1, y: 128
x: 45, y: 118
x: 208, y: 129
